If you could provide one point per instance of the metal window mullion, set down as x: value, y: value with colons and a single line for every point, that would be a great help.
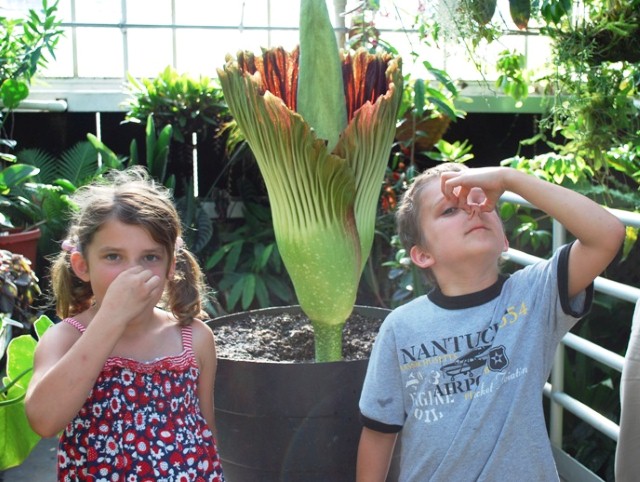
x: 125, y: 38
x: 174, y: 35
x: 74, y: 40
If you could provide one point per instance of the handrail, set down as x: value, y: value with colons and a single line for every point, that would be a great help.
x: 555, y: 390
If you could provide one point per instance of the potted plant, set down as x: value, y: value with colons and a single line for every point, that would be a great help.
x: 21, y: 210
x: 17, y: 439
x: 320, y: 124
x: 19, y: 288
x: 25, y: 45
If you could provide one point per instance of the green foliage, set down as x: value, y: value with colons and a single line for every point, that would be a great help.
x: 16, y: 437
x: 512, y: 79
x: 452, y: 152
x: 188, y: 104
x: 56, y: 178
x: 247, y: 266
x: 25, y: 46
x: 17, y: 210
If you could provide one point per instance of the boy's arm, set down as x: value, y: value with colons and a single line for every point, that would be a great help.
x: 374, y: 455
x: 599, y: 234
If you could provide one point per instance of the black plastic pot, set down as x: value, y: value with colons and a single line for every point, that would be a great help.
x: 289, y: 422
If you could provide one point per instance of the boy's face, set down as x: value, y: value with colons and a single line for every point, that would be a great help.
x: 454, y: 235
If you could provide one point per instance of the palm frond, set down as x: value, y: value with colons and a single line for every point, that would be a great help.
x: 41, y: 159
x: 79, y: 163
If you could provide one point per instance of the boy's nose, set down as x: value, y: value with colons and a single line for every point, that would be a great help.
x: 474, y: 210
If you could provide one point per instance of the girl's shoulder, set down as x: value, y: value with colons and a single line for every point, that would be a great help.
x: 200, y: 329
x: 59, y: 338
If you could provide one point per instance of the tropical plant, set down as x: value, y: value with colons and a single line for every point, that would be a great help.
x: 19, y: 288
x: 247, y: 266
x: 25, y: 46
x: 17, y: 439
x: 19, y: 209
x: 322, y: 147
x: 191, y: 105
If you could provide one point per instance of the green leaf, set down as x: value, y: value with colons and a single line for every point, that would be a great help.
x: 248, y: 290
x: 13, y: 92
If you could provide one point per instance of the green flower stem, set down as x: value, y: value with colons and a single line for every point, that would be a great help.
x: 328, y: 342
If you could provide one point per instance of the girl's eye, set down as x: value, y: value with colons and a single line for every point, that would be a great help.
x: 151, y: 257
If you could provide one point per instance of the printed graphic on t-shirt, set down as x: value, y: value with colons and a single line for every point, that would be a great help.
x: 456, y: 369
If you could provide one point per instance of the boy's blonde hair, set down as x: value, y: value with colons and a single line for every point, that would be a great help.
x: 408, y: 212
x: 131, y: 197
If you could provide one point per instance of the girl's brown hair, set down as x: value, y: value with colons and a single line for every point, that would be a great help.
x: 131, y: 197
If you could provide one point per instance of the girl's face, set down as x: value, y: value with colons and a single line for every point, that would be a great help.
x: 117, y: 246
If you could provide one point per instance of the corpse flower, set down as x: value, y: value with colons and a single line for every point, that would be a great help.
x: 320, y: 123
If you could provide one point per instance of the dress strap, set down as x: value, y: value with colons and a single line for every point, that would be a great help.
x: 187, y: 338
x: 76, y: 324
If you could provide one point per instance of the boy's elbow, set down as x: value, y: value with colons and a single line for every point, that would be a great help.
x: 617, y: 236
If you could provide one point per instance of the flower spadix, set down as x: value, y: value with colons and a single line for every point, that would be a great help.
x: 320, y: 123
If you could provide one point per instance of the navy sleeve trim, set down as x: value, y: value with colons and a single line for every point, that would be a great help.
x: 563, y: 286
x: 379, y: 426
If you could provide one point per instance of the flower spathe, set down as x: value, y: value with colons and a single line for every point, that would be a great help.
x: 323, y: 203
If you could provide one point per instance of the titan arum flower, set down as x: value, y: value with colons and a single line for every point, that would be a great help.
x: 320, y: 123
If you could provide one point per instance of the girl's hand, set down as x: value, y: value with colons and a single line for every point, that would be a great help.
x: 131, y: 293
x: 474, y: 188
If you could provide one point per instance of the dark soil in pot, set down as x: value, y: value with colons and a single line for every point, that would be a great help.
x: 289, y: 337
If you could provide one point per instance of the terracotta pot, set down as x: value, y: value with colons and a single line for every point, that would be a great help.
x: 22, y: 242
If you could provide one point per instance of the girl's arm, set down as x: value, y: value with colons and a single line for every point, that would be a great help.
x: 66, y: 366
x: 205, y: 349
x: 599, y: 233
x: 374, y: 455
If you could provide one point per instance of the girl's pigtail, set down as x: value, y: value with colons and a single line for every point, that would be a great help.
x: 71, y: 294
x: 185, y: 290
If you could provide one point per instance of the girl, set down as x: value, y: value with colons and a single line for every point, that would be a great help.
x: 130, y: 384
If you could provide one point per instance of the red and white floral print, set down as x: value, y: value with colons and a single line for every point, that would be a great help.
x: 141, y: 422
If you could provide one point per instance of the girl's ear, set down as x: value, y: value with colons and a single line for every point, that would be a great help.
x: 79, y: 266
x: 172, y: 269
x: 421, y: 258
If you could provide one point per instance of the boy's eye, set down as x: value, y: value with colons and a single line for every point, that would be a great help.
x: 111, y: 256
x: 450, y: 210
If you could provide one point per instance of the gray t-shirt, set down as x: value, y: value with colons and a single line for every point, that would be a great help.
x: 462, y: 377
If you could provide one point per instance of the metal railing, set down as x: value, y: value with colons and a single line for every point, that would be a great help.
x: 554, y: 389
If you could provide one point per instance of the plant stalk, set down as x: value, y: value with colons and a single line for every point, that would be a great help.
x: 328, y: 341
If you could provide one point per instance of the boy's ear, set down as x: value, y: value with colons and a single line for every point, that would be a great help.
x: 79, y: 266
x: 421, y: 258
x: 505, y: 248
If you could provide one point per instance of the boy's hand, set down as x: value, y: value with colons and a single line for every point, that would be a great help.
x: 474, y: 188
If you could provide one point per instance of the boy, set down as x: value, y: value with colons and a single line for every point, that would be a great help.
x: 461, y: 370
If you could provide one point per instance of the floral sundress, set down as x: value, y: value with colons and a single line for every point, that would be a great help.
x: 141, y: 422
